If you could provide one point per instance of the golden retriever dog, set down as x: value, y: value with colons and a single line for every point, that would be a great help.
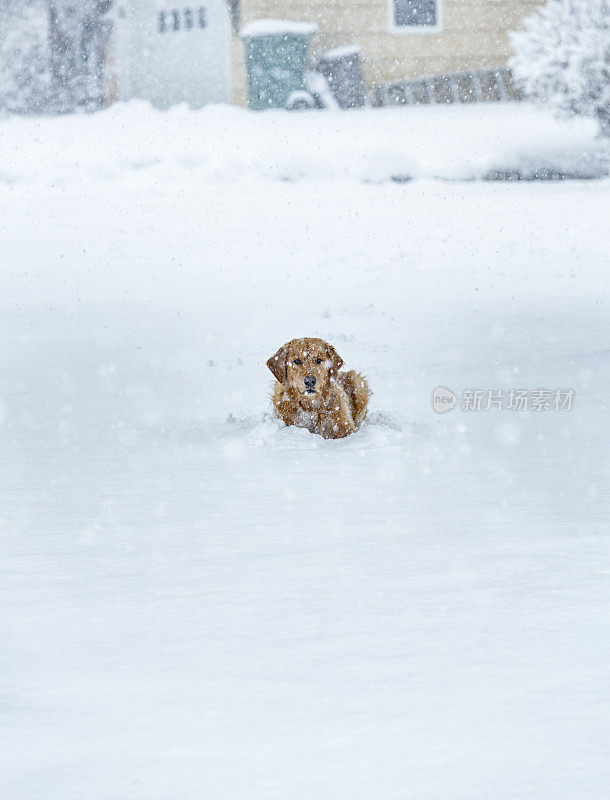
x: 311, y: 393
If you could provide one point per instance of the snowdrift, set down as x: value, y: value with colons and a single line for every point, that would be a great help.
x: 225, y: 143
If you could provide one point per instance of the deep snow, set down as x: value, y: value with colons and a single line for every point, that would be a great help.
x: 199, y: 603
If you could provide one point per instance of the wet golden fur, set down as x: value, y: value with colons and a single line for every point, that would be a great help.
x: 311, y: 393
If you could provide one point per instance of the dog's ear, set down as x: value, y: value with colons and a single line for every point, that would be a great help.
x: 277, y: 363
x: 335, y: 359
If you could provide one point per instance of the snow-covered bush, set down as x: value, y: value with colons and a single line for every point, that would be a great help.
x: 24, y: 56
x: 562, y: 57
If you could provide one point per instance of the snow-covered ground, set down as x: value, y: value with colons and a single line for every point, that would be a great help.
x: 199, y: 603
x: 459, y: 142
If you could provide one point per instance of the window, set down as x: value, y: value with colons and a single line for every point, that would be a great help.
x: 408, y: 14
x: 184, y: 19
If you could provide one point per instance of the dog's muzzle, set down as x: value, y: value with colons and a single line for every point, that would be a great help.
x: 310, y: 384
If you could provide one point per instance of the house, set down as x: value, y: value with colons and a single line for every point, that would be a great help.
x: 171, y: 51
x: 400, y: 39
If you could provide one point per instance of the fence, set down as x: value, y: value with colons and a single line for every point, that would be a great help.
x: 475, y: 86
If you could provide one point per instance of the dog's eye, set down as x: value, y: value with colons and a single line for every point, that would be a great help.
x: 318, y: 360
x: 297, y: 361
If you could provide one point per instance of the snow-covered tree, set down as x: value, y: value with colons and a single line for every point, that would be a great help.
x: 52, y: 54
x: 78, y: 35
x: 562, y: 57
x: 24, y: 56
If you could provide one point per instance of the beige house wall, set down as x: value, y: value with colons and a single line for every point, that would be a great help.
x: 472, y: 34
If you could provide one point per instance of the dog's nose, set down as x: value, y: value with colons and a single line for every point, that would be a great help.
x: 310, y: 381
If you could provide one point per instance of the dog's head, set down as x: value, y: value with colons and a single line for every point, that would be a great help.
x: 306, y: 366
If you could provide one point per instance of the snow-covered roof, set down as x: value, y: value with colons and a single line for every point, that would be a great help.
x: 270, y: 27
x: 342, y: 52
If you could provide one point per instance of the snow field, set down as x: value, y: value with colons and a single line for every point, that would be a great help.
x: 199, y: 603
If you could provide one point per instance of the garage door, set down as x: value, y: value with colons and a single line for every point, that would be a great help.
x: 172, y: 51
